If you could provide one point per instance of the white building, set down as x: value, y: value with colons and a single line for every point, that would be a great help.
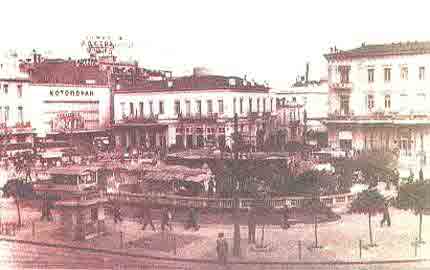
x: 15, y: 110
x: 191, y: 111
x: 378, y: 96
x: 313, y: 97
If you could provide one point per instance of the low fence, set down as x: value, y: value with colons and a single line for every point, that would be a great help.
x: 333, y: 201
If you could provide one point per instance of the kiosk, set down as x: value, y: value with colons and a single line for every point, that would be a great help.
x: 79, y: 199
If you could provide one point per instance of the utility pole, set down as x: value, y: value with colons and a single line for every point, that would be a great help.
x: 236, y: 234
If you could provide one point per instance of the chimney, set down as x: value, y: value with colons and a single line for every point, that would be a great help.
x: 307, y: 72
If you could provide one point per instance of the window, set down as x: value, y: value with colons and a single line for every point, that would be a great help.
x: 294, y: 99
x: 234, y: 106
x: 387, y: 102
x: 422, y: 73
x: 161, y: 107
x: 271, y: 105
x: 371, y: 75
x: 344, y: 73
x: 250, y: 105
x: 177, y: 107
x: 387, y: 74
x: 404, y: 73
x: 199, y: 106
x: 210, y: 108
x: 264, y: 105
x: 258, y: 105
x: 151, y: 108
x: 20, y: 114
x: 6, y: 113
x: 122, y: 104
x: 344, y: 104
x: 141, y: 109
x: 220, y: 106
x: 5, y: 89
x: 131, y: 108
x: 188, y: 107
x: 241, y: 105
x: 19, y: 90
x: 370, y: 102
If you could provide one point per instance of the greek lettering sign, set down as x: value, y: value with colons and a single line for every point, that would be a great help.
x: 73, y: 93
x: 102, y: 45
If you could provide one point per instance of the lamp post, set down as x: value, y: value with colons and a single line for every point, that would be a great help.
x: 236, y: 234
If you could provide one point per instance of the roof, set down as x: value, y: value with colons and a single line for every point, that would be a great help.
x: 66, y: 72
x: 400, y: 48
x: 72, y: 170
x: 203, y: 82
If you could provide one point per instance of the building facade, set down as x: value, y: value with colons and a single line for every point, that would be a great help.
x: 378, y: 96
x: 16, y: 129
x: 313, y: 98
x: 191, y: 112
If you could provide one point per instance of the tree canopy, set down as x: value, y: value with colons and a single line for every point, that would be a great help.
x: 368, y: 202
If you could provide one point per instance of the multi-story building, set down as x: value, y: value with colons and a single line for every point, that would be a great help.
x: 191, y: 111
x: 290, y: 122
x: 378, y: 96
x: 312, y: 96
x: 15, y: 109
x: 68, y: 96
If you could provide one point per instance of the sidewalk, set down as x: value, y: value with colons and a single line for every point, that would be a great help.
x: 340, y: 240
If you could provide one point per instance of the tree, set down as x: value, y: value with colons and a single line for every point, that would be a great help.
x: 312, y: 185
x: 262, y: 207
x: 368, y: 202
x: 416, y: 197
x: 374, y: 166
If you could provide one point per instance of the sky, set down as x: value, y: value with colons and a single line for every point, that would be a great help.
x: 267, y: 40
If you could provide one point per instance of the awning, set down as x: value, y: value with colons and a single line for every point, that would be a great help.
x: 51, y: 154
x: 345, y: 135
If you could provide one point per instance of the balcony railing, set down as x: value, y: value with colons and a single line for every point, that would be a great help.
x: 341, y: 85
x: 153, y: 118
x: 198, y: 117
x: 18, y: 127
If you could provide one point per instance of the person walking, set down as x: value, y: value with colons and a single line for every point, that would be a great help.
x: 192, y: 220
x: 386, y: 215
x: 222, y: 249
x: 252, y: 224
x: 117, y: 213
x: 211, y: 187
x: 147, y: 216
x: 285, y: 217
x: 165, y: 219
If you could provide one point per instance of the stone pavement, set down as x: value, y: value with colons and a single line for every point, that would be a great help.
x: 339, y: 239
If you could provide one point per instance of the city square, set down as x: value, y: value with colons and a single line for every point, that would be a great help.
x: 197, y: 143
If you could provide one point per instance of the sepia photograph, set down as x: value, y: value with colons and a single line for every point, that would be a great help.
x: 211, y: 135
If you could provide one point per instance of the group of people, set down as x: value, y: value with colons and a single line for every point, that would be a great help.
x: 166, y: 217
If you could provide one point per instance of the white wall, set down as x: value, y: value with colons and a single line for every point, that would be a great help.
x: 169, y: 98
x: 406, y: 95
x: 41, y: 112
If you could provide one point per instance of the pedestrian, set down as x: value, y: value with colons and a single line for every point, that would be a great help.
x: 147, y: 216
x: 286, y: 216
x: 117, y: 213
x: 386, y: 215
x: 165, y: 219
x: 252, y: 224
x: 192, y: 220
x: 222, y: 249
x: 421, y: 175
x: 211, y: 187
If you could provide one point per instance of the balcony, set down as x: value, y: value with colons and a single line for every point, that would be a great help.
x: 253, y: 115
x: 19, y: 127
x: 336, y: 115
x: 342, y: 86
x: 153, y: 118
x: 198, y: 117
